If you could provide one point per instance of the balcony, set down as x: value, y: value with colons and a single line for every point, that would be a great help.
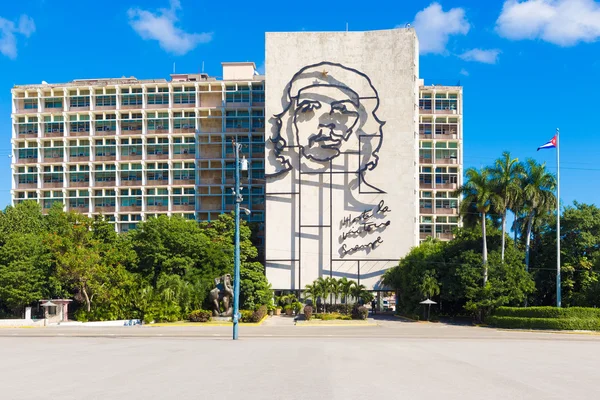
x: 105, y: 183
x: 157, y: 208
x: 184, y: 207
x: 446, y: 211
x: 81, y: 208
x: 425, y: 210
x: 29, y: 185
x: 423, y: 235
x: 184, y: 129
x: 79, y: 158
x: 51, y: 184
x: 28, y: 160
x: 131, y: 182
x: 79, y: 183
x: 134, y: 156
x: 130, y: 208
x: 131, y: 130
x: 54, y: 133
x: 423, y: 135
x: 106, y: 157
x: 184, y: 181
x: 158, y: 156
x: 449, y: 160
x: 52, y: 159
x: 425, y: 185
x: 157, y: 182
x: 445, y: 185
x: 444, y: 235
x: 446, y: 111
x: 79, y: 132
x: 425, y: 160
x: 28, y: 134
x: 185, y: 155
x: 104, y: 209
x: 82, y: 108
x: 446, y: 136
x: 424, y: 110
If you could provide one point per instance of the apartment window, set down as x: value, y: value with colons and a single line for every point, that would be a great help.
x: 53, y: 127
x: 30, y: 104
x: 106, y: 101
x: 80, y: 101
x: 79, y: 127
x: 28, y: 129
x: 132, y: 100
x: 184, y: 98
x: 53, y: 103
x: 28, y: 153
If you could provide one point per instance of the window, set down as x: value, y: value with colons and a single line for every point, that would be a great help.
x: 30, y: 104
x: 106, y: 101
x: 53, y: 103
x: 80, y: 101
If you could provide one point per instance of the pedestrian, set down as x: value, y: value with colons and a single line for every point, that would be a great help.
x: 373, y: 303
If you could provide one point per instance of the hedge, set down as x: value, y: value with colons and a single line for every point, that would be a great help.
x: 200, y: 316
x: 548, y: 312
x: 591, y: 324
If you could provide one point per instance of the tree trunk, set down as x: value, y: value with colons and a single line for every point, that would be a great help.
x: 503, y: 233
x: 516, y: 230
x: 485, y: 253
x: 88, y: 305
x: 528, y: 240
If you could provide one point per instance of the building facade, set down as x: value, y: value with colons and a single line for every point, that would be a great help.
x: 342, y: 155
x: 131, y: 149
x: 353, y: 159
x: 440, y: 159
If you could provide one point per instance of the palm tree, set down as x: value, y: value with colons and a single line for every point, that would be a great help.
x: 429, y: 285
x: 312, y: 291
x: 506, y: 175
x: 334, y: 287
x: 478, y: 191
x: 359, y: 292
x: 324, y: 290
x: 345, y: 286
x: 538, y: 193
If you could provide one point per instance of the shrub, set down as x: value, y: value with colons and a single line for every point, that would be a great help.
x: 247, y: 315
x: 259, y: 314
x: 360, y: 312
x: 544, y: 323
x: 297, y: 306
x: 308, y: 310
x: 331, y: 316
x: 345, y: 309
x: 200, y: 316
x: 548, y: 312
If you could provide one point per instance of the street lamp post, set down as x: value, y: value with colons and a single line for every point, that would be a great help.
x: 237, y: 192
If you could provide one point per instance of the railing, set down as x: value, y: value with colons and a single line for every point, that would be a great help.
x: 132, y: 157
x: 104, y: 208
x: 157, y: 208
x: 446, y: 185
x: 423, y: 235
x: 162, y: 182
x: 53, y: 134
x: 425, y: 160
x: 79, y: 158
x: 425, y: 210
x: 158, y: 156
x: 27, y: 160
x: 105, y: 183
x: 188, y: 207
x: 131, y: 182
x: 184, y: 181
x: 444, y: 235
x: 446, y: 161
x: 131, y: 208
x: 52, y: 185
x: 106, y: 158
x: 446, y: 211
x: 79, y: 183
x: 79, y: 133
x: 190, y: 156
x: 27, y: 185
x: 424, y: 185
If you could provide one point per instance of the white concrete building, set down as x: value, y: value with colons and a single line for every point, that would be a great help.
x: 342, y: 159
x: 131, y: 149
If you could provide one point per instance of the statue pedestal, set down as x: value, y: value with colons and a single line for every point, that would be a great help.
x: 221, y: 319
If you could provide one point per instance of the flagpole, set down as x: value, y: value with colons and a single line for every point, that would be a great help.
x: 558, y: 289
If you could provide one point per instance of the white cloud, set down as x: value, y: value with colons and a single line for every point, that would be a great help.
x: 562, y: 22
x: 434, y: 27
x: 160, y: 26
x: 464, y: 72
x: 482, y: 56
x: 8, y: 31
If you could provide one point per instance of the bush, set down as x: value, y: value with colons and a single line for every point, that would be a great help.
x: 592, y: 324
x: 308, y: 310
x: 548, y: 312
x: 200, y: 316
x: 259, y: 314
x: 247, y: 315
x: 345, y: 309
x: 331, y: 316
x: 360, y: 312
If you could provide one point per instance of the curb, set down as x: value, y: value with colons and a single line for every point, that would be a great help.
x: 205, y: 324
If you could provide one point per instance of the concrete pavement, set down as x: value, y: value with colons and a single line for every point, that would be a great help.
x: 398, y: 360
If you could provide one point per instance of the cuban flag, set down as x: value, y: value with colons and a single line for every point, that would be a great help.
x: 550, y: 145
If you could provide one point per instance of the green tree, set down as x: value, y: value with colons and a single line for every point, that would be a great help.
x: 345, y: 285
x: 255, y: 290
x: 478, y: 191
x: 538, y: 188
x: 429, y: 285
x: 25, y: 218
x: 24, y: 271
x: 506, y: 177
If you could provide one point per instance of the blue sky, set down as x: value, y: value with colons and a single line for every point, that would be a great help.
x: 527, y: 67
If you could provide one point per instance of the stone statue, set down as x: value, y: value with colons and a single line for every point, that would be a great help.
x: 222, y: 292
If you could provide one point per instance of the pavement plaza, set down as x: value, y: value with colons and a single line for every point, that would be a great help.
x: 277, y: 360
